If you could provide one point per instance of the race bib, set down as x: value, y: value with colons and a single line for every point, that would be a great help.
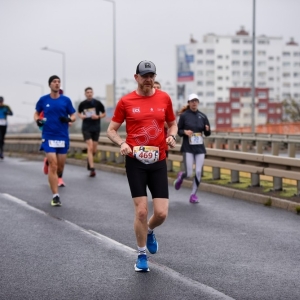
x: 56, y: 144
x: 89, y: 112
x: 196, y: 139
x: 3, y: 122
x: 146, y: 154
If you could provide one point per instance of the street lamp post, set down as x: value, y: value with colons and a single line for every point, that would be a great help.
x: 36, y: 84
x: 64, y: 65
x: 253, y: 71
x: 114, y: 51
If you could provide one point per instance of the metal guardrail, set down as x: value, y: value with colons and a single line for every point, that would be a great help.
x: 256, y: 164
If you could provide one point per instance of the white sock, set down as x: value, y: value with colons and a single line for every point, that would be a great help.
x: 54, y: 195
x: 150, y: 230
x: 142, y: 250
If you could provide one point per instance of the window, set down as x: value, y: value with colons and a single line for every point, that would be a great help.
x: 227, y: 110
x: 235, y: 105
x: 220, y: 78
x: 296, y: 53
x: 286, y: 54
x: 210, y: 73
x: 261, y: 63
x: 210, y: 62
x: 261, y: 74
x: 200, y: 83
x: 235, y: 52
x: 262, y: 105
x: 247, y: 52
x: 220, y: 88
x: 220, y: 67
x: 296, y: 74
x: 227, y: 121
x: 246, y: 63
x: 210, y: 51
x: 235, y: 73
x: 296, y: 84
x: 271, y: 78
x: 262, y: 115
x: 262, y: 95
x: 261, y: 83
x: 286, y: 64
x: 271, y: 58
x: 236, y: 83
x: 247, y: 73
x: 260, y: 52
x: 209, y: 83
x: 199, y: 73
x: 200, y: 94
x: 296, y: 64
x: 235, y: 63
x: 262, y: 42
x: 286, y: 75
x: 247, y: 94
x: 220, y: 121
x: 271, y: 69
x: 271, y: 111
x: 200, y: 51
x: 235, y: 41
x: 247, y: 41
x: 220, y: 110
x: 200, y: 62
x: 220, y: 99
x: 210, y: 94
x: 220, y: 56
x: 286, y: 84
x: 296, y: 95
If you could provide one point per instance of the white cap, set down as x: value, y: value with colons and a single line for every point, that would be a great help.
x: 193, y: 96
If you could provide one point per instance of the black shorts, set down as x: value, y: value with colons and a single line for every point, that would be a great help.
x: 154, y: 176
x: 87, y: 135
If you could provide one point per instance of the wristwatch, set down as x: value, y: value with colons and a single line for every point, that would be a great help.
x: 173, y: 136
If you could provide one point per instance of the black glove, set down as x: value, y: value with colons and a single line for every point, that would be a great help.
x: 65, y: 119
x: 39, y: 122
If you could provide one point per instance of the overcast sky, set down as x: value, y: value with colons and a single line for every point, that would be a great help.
x: 144, y: 30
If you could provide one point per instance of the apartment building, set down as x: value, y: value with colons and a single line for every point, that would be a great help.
x: 218, y: 63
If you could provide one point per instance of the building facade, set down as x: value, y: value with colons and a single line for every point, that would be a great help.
x: 220, y: 62
x: 237, y: 112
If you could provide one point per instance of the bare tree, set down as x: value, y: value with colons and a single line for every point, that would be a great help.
x: 291, y: 110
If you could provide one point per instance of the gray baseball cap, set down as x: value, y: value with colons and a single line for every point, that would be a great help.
x: 145, y: 67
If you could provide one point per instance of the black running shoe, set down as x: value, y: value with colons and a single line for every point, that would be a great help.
x: 92, y: 173
x: 56, y: 201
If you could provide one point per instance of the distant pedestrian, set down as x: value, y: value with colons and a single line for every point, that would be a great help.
x: 58, y: 112
x: 145, y: 111
x: 157, y: 86
x: 91, y: 111
x: 4, y: 112
x: 192, y: 126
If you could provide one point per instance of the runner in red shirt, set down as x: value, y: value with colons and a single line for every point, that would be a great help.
x: 145, y: 111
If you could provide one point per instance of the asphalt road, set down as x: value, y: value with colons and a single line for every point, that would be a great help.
x: 221, y: 248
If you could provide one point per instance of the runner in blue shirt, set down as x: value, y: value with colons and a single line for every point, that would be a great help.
x: 58, y: 112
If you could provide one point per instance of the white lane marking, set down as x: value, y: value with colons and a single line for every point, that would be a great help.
x: 174, y: 274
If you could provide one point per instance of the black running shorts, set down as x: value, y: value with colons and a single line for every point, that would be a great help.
x: 154, y: 176
x: 87, y: 135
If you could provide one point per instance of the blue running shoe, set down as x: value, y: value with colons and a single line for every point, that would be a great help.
x: 152, y: 244
x: 178, y: 181
x: 141, y: 264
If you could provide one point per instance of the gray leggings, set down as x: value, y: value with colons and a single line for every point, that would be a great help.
x: 189, y: 159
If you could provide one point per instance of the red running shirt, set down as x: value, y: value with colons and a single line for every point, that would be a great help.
x: 145, y: 117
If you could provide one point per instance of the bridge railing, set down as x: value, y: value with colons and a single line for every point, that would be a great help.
x: 225, y: 154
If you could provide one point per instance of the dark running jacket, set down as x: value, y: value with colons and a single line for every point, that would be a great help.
x: 195, y: 121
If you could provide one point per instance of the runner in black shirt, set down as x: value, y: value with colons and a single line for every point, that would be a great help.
x: 91, y: 111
